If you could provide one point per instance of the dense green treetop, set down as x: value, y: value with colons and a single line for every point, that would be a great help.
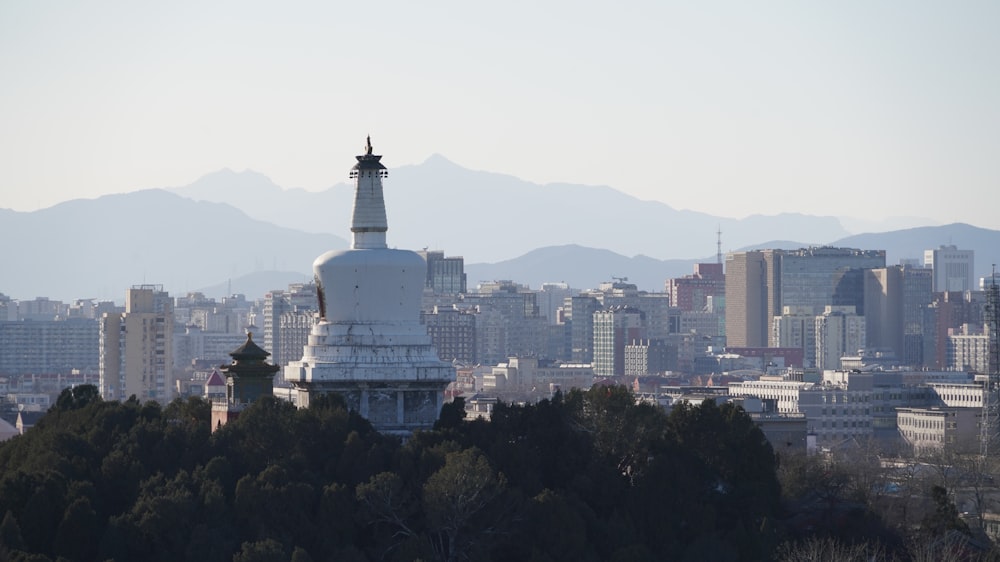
x: 590, y: 475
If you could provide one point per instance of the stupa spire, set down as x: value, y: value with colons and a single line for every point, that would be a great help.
x: 368, y: 222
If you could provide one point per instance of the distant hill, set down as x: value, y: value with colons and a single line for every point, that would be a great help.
x: 489, y: 217
x: 581, y: 268
x: 256, y: 195
x: 911, y: 243
x: 585, y: 268
x: 505, y: 229
x: 256, y: 284
x: 97, y: 248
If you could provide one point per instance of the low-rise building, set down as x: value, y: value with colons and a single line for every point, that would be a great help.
x: 30, y: 401
x: 647, y: 357
x: 528, y: 379
x: 933, y: 429
x: 853, y: 406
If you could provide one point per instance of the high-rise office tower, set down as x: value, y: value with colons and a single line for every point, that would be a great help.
x: 551, y: 298
x: 796, y: 328
x: 647, y: 357
x: 293, y: 329
x: 884, y: 309
x: 445, y: 275
x: 654, y: 306
x: 582, y: 309
x: 759, y: 284
x: 44, y: 347
x: 692, y: 292
x: 614, y: 328
x: 519, y: 326
x: 747, y: 310
x: 453, y: 332
x: 895, y: 299
x: 949, y: 311
x: 968, y: 349
x: 136, y: 355
x: 953, y: 268
x: 619, y: 293
x: 918, y: 293
x: 839, y: 332
x: 819, y: 277
x: 300, y: 298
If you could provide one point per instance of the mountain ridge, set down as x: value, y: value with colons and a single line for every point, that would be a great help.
x: 97, y: 248
x: 504, y: 227
x: 521, y: 215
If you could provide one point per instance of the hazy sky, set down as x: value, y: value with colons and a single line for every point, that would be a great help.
x: 861, y: 108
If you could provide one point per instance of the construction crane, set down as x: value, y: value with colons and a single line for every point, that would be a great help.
x: 619, y: 279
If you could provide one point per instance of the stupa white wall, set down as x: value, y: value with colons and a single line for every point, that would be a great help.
x: 369, y: 345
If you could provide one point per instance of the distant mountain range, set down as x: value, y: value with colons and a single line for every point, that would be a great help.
x: 241, y: 233
x: 97, y: 248
x: 585, y: 268
x: 488, y: 217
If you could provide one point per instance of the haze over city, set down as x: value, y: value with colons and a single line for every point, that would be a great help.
x: 849, y: 109
x: 646, y: 281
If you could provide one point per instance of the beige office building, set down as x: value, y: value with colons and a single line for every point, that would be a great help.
x: 759, y: 284
x: 747, y: 314
x: 136, y: 347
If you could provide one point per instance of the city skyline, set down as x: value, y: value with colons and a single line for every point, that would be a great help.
x: 796, y: 108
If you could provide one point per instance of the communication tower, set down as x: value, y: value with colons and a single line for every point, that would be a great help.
x: 990, y: 422
x: 718, y: 245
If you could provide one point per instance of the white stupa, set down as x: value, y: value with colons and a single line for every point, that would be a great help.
x: 369, y: 344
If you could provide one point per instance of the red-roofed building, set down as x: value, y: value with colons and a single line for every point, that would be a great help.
x: 215, y: 386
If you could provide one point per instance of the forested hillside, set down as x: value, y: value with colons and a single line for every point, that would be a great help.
x: 585, y: 476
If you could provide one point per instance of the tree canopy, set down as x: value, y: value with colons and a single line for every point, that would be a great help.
x: 590, y: 475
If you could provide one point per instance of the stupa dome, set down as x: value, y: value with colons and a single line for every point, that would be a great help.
x: 369, y: 345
